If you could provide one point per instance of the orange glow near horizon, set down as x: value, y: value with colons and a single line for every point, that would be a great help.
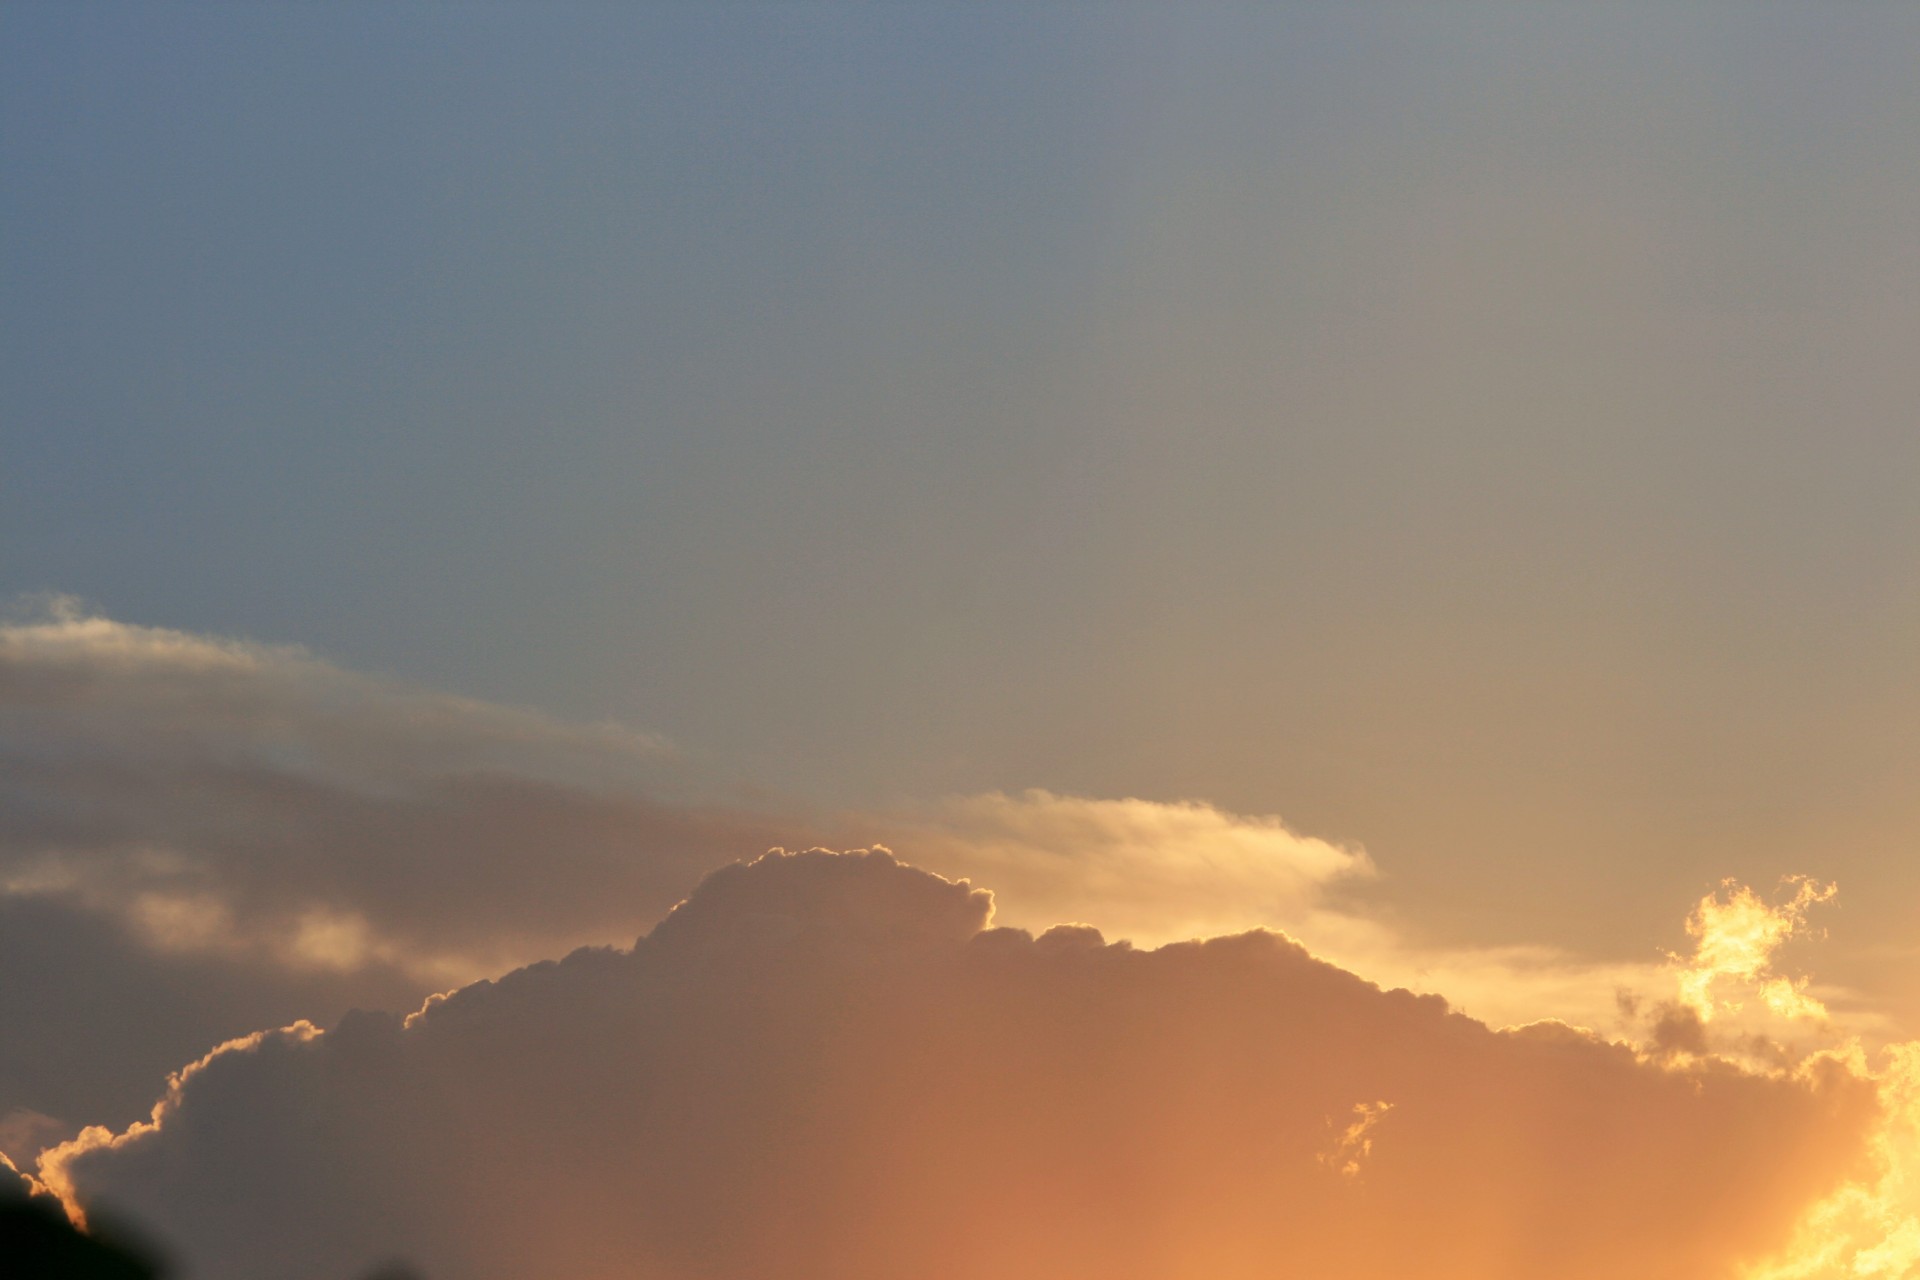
x: 1025, y: 1107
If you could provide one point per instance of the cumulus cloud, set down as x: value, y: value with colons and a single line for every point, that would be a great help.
x: 1735, y: 937
x: 16, y: 1186
x: 219, y: 794
x: 200, y: 836
x: 94, y: 1019
x: 1869, y: 1228
x: 831, y: 1066
x: 38, y: 1242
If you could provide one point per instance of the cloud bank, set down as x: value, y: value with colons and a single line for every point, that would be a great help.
x: 202, y: 836
x: 224, y: 795
x: 829, y: 1066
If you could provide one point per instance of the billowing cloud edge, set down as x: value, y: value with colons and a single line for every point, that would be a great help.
x: 105, y: 691
x: 1861, y: 1226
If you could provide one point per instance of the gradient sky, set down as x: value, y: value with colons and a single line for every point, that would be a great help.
x: 1484, y: 436
x: 1482, y: 433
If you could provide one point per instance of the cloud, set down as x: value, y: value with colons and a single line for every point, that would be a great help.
x: 829, y: 1066
x: 1735, y: 938
x: 1153, y: 872
x: 201, y: 836
x: 1727, y: 992
x: 1869, y: 1228
x: 75, y: 681
x: 223, y: 795
x: 15, y: 1185
x: 95, y: 1018
x: 219, y: 794
x: 38, y: 1240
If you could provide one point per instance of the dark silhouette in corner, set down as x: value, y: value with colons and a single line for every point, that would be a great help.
x: 38, y: 1243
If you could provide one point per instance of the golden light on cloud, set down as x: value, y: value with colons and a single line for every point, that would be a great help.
x: 1870, y: 1228
x: 1150, y: 871
x: 1161, y: 1064
x: 1356, y: 1140
x: 1736, y: 934
x: 1294, y: 573
x: 828, y: 1065
x: 53, y: 1171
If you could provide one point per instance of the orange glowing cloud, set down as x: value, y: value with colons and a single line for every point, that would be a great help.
x: 1735, y: 937
x: 201, y: 836
x: 830, y: 1066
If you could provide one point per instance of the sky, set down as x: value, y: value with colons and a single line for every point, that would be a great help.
x: 1438, y: 483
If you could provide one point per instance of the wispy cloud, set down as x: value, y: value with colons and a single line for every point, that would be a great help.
x: 224, y: 796
x: 1150, y: 871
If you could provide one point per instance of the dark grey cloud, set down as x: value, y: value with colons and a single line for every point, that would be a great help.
x: 201, y: 837
x: 96, y: 1019
x: 14, y: 1185
x: 221, y: 794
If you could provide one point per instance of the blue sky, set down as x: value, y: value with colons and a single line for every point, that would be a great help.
x: 1483, y: 434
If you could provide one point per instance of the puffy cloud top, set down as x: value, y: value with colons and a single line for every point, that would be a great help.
x: 829, y: 1066
x: 201, y: 836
